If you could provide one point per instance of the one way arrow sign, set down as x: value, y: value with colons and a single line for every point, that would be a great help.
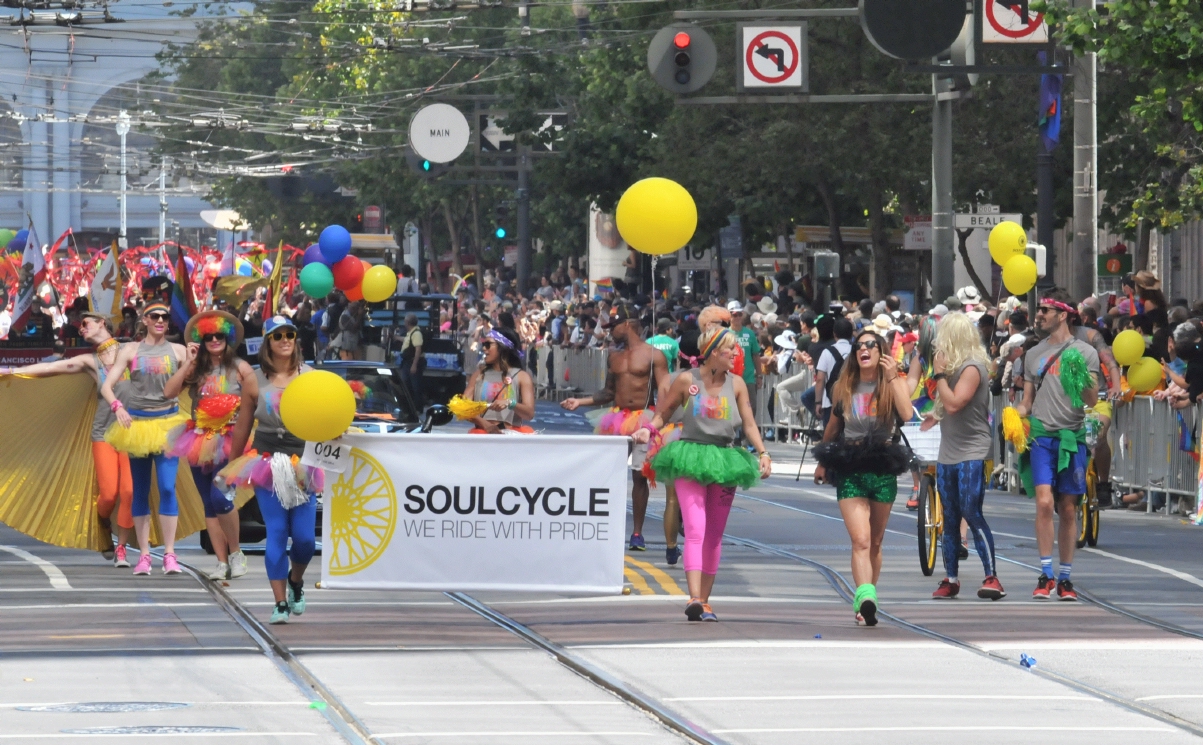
x: 773, y: 57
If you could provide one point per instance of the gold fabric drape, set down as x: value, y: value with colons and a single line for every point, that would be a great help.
x: 47, y: 479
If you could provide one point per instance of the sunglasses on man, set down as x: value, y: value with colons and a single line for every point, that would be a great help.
x: 157, y: 317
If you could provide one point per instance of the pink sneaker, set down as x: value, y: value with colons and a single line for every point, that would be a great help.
x: 143, y: 565
x: 119, y: 558
x: 170, y: 565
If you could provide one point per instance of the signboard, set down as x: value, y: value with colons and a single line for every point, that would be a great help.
x: 411, y: 248
x: 731, y: 242
x: 963, y: 221
x: 492, y: 138
x: 918, y: 233
x: 407, y: 514
x: 371, y: 219
x: 1115, y: 265
x: 772, y: 58
x: 1012, y: 22
x: 695, y: 258
x: 15, y: 355
x: 439, y: 133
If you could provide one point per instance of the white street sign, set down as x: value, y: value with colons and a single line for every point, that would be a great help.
x: 693, y: 258
x: 439, y: 133
x: 918, y: 237
x: 978, y: 220
x: 1012, y: 22
x: 772, y: 57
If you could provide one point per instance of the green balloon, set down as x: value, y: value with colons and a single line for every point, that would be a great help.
x: 6, y: 235
x: 317, y: 280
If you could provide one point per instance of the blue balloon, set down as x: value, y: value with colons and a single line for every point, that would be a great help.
x: 335, y: 243
x: 15, y: 245
x: 189, y: 264
x: 245, y: 268
x: 313, y: 254
x: 21, y: 237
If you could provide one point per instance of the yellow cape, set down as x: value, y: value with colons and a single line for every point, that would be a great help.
x: 47, y: 479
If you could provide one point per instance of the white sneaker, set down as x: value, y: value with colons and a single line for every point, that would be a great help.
x: 221, y: 572
x: 237, y: 564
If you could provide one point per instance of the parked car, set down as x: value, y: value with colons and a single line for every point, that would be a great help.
x: 382, y: 405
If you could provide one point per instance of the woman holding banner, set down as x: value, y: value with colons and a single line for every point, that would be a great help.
x: 219, y: 385
x: 503, y: 385
x: 144, y: 417
x: 703, y: 464
x: 286, y: 490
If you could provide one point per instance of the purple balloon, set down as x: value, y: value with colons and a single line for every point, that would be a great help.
x: 15, y: 245
x: 189, y: 264
x: 313, y: 254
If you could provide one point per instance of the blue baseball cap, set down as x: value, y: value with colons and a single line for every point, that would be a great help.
x: 278, y: 322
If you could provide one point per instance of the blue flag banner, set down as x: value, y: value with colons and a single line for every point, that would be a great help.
x: 1050, y: 109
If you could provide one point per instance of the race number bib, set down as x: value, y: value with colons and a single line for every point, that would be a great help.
x: 333, y: 456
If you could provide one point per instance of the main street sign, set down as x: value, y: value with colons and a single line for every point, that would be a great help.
x: 439, y: 133
x: 978, y: 220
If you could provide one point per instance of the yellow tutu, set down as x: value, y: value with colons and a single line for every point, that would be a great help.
x: 144, y: 437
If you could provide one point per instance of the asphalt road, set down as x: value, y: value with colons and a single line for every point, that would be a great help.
x: 88, y: 651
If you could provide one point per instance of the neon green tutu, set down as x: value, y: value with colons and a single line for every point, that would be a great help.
x: 706, y: 464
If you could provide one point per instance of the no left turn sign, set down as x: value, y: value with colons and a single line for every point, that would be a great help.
x: 1013, y: 22
x: 773, y: 57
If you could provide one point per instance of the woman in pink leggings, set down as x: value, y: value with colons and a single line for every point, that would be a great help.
x: 703, y: 464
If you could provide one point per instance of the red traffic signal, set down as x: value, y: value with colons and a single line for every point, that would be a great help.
x: 681, y: 40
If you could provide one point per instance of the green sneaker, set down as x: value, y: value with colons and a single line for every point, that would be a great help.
x: 865, y: 604
x: 296, y: 597
x: 280, y: 613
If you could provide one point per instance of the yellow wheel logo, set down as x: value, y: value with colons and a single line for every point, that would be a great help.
x: 363, y: 513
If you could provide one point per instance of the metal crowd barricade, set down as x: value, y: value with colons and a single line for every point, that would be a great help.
x: 563, y: 372
x: 1154, y: 448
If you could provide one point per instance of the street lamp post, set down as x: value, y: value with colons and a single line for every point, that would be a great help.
x: 123, y: 122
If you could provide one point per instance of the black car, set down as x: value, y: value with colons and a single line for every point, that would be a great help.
x: 382, y: 405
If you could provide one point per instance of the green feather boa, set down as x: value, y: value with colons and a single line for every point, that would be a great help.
x: 1075, y: 377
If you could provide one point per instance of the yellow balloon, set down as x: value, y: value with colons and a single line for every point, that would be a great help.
x: 379, y: 284
x: 317, y: 406
x: 1128, y: 347
x: 656, y: 216
x: 1144, y: 375
x: 1007, y: 239
x: 1019, y: 274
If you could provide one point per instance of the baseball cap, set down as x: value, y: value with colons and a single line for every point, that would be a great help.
x: 277, y: 322
x: 735, y: 306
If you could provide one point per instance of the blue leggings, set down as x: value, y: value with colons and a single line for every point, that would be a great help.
x: 216, y: 501
x: 962, y: 488
x: 297, y: 523
x: 165, y: 469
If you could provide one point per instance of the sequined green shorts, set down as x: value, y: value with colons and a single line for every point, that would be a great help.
x: 876, y: 487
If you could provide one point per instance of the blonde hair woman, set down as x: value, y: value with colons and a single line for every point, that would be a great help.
x: 960, y: 369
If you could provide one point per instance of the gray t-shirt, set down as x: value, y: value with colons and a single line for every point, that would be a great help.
x: 965, y: 435
x: 1052, y: 407
x: 860, y: 420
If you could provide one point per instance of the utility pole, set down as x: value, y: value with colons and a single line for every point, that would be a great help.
x: 1085, y: 279
x: 524, y: 243
x: 163, y: 201
x: 123, y: 124
x: 943, y: 237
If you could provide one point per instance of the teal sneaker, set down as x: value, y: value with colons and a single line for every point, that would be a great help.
x: 296, y: 597
x: 864, y: 603
x: 280, y: 613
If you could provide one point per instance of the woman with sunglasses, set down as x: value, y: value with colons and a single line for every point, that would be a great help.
x: 503, y: 384
x: 220, y: 386
x: 145, y: 414
x: 860, y: 453
x: 704, y: 464
x: 286, y: 491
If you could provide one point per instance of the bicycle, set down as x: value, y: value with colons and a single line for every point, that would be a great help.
x: 1088, y: 509
x: 931, y: 516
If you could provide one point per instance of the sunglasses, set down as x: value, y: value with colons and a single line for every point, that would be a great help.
x: 213, y: 337
x: 870, y: 344
x: 282, y: 335
x: 1044, y: 309
x: 157, y: 317
x: 486, y: 345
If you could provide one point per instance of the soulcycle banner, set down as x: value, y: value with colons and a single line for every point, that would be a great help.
x: 477, y: 512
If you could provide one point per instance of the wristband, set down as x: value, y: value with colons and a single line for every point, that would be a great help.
x: 116, y: 405
x: 763, y: 453
x: 939, y: 376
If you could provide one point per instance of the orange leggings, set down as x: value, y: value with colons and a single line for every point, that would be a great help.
x: 113, y: 476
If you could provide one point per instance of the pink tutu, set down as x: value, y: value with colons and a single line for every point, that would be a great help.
x: 658, y: 441
x: 617, y: 421
x: 199, y: 447
x: 254, y: 470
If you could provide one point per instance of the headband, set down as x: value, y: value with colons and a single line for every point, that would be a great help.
x: 1057, y: 304
x: 156, y: 307
x: 713, y: 345
x: 498, y: 337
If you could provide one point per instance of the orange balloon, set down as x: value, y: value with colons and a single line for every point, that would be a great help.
x: 355, y: 293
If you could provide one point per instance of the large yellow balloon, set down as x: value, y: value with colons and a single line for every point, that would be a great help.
x: 656, y: 216
x: 1019, y: 274
x: 379, y: 284
x: 1007, y: 239
x: 1144, y: 375
x: 317, y: 406
x: 1128, y: 347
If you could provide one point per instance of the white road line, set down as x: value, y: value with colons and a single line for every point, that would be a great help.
x: 60, y: 606
x: 1149, y: 565
x: 772, y: 644
x: 887, y: 696
x: 953, y: 728
x: 58, y: 580
x: 588, y: 733
x: 495, y: 703
x: 222, y: 704
x: 115, y: 588
x: 1169, y: 696
x: 177, y: 736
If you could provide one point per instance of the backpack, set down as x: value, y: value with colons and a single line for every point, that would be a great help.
x: 834, y: 375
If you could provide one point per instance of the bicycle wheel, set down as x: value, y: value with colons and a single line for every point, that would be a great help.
x: 1085, y: 509
x: 930, y: 524
x: 1092, y: 506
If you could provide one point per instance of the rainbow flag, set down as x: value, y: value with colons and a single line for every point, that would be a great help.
x: 183, y: 302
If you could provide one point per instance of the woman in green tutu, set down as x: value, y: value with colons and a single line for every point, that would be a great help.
x: 703, y: 464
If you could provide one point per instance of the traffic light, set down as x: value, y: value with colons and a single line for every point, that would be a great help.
x: 501, y: 216
x: 423, y: 167
x: 682, y: 58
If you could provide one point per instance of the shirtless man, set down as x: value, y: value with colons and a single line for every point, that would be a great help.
x: 636, y: 373
x: 112, y: 468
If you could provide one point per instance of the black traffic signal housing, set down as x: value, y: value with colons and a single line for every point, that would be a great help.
x: 424, y: 168
x: 682, y: 58
x: 501, y: 223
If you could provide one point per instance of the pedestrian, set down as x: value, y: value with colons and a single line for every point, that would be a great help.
x: 830, y: 364
x: 501, y: 382
x: 861, y: 455
x: 413, y: 360
x: 963, y: 410
x: 144, y: 417
x: 350, y: 326
x: 750, y: 346
x: 704, y: 464
x: 285, y: 490
x: 220, y: 386
x: 1060, y: 379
